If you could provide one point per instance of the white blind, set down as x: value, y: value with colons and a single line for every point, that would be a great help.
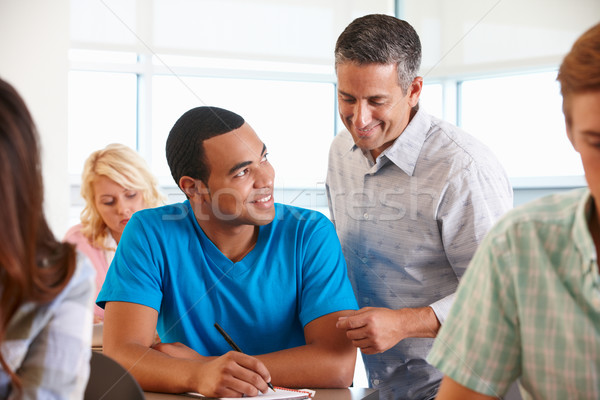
x: 302, y: 31
x: 466, y: 37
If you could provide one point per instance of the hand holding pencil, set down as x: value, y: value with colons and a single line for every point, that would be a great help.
x: 234, y: 346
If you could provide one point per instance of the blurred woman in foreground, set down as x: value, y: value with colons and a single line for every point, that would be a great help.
x: 46, y: 292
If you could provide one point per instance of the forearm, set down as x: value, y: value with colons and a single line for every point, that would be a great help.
x: 418, y: 322
x: 156, y: 371
x: 312, y: 366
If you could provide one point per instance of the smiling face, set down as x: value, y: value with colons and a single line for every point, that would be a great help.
x: 584, y: 133
x: 372, y: 105
x: 115, y: 204
x: 240, y: 184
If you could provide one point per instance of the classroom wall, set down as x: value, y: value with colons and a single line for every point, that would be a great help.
x: 34, y: 43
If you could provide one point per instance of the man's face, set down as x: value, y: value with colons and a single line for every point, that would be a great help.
x: 241, y: 178
x: 372, y: 104
x: 584, y: 133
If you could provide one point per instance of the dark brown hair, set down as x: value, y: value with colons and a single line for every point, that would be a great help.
x: 34, y: 266
x: 580, y: 69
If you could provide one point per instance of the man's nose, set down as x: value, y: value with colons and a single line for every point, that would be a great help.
x: 264, y: 176
x: 362, y: 115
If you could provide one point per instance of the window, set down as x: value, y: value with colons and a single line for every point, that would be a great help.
x: 520, y: 118
x: 138, y: 66
x: 294, y: 119
x: 432, y: 99
x: 102, y: 110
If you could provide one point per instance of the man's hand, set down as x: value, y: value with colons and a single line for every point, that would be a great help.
x: 231, y: 375
x: 234, y: 374
x: 375, y: 330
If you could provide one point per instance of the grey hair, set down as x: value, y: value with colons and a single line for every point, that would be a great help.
x: 381, y: 39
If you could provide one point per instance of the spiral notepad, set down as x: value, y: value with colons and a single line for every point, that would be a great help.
x: 279, y: 393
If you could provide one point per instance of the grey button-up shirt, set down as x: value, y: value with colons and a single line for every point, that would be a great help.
x: 409, y: 223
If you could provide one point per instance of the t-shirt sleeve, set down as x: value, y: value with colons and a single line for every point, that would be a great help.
x: 325, y: 284
x: 479, y: 345
x: 134, y: 275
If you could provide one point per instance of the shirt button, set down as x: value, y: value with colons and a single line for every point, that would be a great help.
x: 366, y: 216
x: 364, y: 260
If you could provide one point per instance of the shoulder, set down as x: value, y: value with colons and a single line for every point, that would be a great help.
x: 550, y: 214
x: 74, y: 234
x: 458, y: 144
x: 297, y: 216
x: 342, y: 142
x: 287, y: 212
x: 156, y: 216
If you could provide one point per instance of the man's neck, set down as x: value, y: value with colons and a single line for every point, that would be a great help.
x: 235, y: 242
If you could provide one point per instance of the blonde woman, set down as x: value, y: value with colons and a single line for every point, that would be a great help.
x: 116, y: 182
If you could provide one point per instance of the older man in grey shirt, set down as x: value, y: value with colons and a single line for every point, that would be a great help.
x: 411, y: 197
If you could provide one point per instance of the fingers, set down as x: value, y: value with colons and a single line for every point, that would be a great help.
x: 358, y: 319
x: 241, y: 374
x: 254, y: 365
x: 352, y: 322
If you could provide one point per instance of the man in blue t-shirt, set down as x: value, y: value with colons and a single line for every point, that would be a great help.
x: 273, y: 276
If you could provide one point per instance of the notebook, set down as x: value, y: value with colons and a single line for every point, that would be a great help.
x: 279, y: 393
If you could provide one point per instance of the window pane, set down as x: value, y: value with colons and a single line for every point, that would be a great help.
x: 102, y: 110
x: 432, y: 99
x: 520, y: 118
x: 294, y: 119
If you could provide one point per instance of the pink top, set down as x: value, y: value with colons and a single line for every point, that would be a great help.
x: 97, y: 257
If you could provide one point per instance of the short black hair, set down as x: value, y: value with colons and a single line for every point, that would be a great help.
x: 185, y: 148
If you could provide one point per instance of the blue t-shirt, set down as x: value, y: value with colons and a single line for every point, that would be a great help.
x: 295, y: 274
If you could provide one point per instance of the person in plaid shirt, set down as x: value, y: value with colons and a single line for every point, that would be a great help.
x: 46, y: 290
x: 528, y: 308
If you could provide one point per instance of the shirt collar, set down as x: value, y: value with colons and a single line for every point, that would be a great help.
x: 405, y: 150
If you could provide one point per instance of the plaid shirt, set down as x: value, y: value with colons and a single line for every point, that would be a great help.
x: 50, y: 346
x: 529, y: 306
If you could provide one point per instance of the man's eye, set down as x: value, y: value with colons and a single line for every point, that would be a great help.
x: 265, y: 158
x: 241, y: 173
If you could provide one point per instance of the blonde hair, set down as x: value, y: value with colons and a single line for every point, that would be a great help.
x: 126, y: 168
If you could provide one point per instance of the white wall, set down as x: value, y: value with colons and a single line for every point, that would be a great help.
x: 34, y: 43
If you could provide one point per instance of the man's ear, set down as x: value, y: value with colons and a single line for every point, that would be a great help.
x: 192, y: 187
x: 415, y: 91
